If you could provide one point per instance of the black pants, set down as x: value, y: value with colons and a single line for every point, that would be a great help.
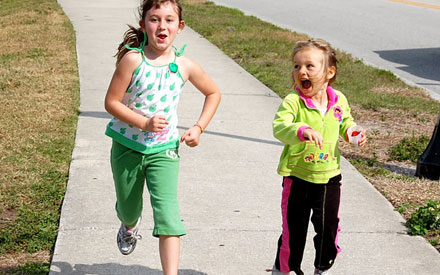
x: 299, y: 199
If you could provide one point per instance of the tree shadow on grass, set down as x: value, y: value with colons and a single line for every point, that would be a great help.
x: 110, y: 269
x: 397, y: 168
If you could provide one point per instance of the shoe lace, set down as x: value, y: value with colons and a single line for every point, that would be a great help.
x: 130, y: 238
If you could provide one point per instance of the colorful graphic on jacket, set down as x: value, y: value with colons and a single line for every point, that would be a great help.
x: 316, y: 158
x: 338, y: 113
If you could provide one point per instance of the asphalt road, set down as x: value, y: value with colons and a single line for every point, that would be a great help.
x: 397, y: 35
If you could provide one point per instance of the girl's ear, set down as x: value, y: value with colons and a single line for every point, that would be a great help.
x: 142, y: 24
x: 331, y: 72
x: 181, y: 26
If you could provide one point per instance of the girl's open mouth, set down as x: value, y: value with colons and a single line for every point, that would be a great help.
x: 162, y: 36
x: 306, y: 84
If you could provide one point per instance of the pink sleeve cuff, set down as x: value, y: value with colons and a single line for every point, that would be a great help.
x: 300, y: 132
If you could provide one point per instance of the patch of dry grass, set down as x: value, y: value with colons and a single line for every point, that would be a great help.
x: 11, y: 261
x: 39, y: 91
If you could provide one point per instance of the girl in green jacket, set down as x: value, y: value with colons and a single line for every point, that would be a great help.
x: 309, y: 122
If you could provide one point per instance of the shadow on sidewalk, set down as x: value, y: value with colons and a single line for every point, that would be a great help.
x: 95, y: 114
x: 237, y: 137
x: 258, y: 140
x: 111, y: 268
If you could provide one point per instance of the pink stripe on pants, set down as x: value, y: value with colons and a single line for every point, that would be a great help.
x: 285, y: 247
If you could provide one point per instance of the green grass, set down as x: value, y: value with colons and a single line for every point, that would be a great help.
x: 369, y: 166
x: 39, y: 91
x: 31, y: 269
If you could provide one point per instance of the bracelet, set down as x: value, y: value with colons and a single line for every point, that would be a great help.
x: 198, y: 125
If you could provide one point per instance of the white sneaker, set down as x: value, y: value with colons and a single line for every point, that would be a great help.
x: 321, y: 272
x: 127, y: 238
x: 276, y: 271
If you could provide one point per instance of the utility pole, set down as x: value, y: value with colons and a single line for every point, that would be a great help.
x: 428, y: 164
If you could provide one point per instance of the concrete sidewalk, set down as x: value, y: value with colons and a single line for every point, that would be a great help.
x: 229, y: 190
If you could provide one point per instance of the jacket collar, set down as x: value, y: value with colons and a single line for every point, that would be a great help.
x: 332, y: 98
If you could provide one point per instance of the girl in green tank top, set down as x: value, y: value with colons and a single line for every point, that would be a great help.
x: 143, y: 96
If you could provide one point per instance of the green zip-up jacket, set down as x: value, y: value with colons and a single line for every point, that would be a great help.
x: 302, y: 158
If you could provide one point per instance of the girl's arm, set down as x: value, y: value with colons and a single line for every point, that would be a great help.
x: 195, y: 74
x: 116, y: 91
x: 284, y: 126
x: 348, y: 121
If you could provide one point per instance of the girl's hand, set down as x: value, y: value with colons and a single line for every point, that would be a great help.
x: 314, y: 136
x: 191, y: 136
x: 156, y: 123
x: 363, y: 140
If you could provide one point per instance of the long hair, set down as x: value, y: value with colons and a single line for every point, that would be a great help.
x: 329, y: 53
x: 134, y: 37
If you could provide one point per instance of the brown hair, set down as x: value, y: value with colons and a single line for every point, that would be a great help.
x: 329, y: 53
x: 134, y: 37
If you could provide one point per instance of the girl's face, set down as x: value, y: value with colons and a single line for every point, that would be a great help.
x: 309, y: 71
x: 162, y: 25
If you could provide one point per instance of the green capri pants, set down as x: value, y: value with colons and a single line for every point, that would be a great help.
x: 160, y: 171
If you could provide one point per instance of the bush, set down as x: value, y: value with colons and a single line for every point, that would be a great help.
x: 409, y: 148
x: 425, y: 218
